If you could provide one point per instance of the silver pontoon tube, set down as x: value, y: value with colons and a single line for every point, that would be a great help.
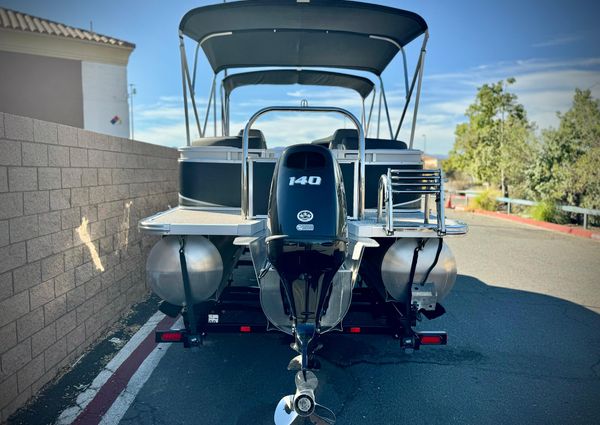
x: 361, y: 149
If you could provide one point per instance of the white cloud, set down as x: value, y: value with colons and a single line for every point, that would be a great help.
x: 544, y: 87
x: 558, y: 41
x: 451, y: 108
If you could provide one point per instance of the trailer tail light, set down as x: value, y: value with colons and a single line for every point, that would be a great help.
x: 433, y: 338
x: 169, y: 336
x: 245, y: 329
x: 355, y: 330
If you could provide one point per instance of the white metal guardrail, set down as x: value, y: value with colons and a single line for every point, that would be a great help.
x: 586, y: 212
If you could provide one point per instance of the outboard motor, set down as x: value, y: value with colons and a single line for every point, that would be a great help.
x: 307, y: 222
x: 307, y: 245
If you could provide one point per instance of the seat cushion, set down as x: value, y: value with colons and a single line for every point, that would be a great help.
x: 255, y: 141
x: 348, y: 139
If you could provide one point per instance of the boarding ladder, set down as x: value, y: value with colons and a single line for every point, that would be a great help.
x: 426, y: 183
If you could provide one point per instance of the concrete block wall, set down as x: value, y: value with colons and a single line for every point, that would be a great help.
x: 71, y: 258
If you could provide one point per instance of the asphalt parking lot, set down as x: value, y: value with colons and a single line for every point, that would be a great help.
x: 524, y: 347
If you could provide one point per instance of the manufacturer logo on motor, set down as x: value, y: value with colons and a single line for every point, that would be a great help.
x: 305, y: 216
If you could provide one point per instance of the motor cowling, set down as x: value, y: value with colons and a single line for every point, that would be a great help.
x: 307, y: 224
x: 307, y: 195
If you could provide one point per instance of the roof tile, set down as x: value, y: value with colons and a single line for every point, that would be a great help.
x: 38, y: 25
x: 13, y: 20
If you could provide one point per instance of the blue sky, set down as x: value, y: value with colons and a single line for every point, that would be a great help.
x: 549, y: 46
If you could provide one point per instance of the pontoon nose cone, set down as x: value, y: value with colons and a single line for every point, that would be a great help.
x: 286, y: 415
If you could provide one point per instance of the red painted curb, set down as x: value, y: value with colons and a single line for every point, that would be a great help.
x: 575, y: 231
x: 105, y: 397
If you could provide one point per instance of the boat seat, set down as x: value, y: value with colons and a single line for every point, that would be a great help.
x: 255, y: 141
x: 346, y: 138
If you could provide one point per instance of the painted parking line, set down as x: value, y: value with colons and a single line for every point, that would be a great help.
x: 110, y: 383
x: 121, y: 404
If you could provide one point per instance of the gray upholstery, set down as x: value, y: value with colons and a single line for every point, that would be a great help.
x: 346, y: 138
x: 255, y: 141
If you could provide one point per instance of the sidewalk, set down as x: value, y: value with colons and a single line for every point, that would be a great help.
x: 572, y: 230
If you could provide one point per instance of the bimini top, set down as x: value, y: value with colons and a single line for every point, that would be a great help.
x: 301, y: 33
x: 363, y: 86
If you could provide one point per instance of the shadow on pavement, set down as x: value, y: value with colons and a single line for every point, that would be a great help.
x: 513, y: 357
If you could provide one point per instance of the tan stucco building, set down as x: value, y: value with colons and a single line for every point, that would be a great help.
x: 55, y: 72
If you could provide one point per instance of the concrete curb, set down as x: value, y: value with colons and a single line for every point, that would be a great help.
x: 582, y: 233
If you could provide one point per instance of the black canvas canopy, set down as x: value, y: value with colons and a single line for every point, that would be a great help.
x: 361, y: 85
x: 301, y: 33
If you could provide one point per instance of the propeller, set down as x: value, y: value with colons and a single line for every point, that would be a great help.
x: 286, y: 415
x: 301, y: 408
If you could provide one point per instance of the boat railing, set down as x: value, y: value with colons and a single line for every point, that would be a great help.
x: 426, y: 184
x: 245, y: 202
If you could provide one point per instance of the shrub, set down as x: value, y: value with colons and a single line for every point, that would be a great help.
x: 486, y: 200
x: 548, y: 211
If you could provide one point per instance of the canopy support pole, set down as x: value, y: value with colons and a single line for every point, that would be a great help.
x: 416, y: 111
x: 195, y: 66
x: 223, y: 106
x: 227, y: 112
x: 417, y: 73
x: 363, y: 115
x: 215, y: 108
x: 371, y: 110
x: 222, y: 98
x: 379, y: 114
x: 186, y: 78
x: 185, y: 104
x: 210, y: 98
x: 387, y: 111
x: 405, y: 71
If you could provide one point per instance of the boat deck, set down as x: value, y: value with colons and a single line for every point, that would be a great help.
x: 195, y: 221
x: 406, y: 225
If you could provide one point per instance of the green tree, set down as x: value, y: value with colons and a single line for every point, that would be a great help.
x: 495, y: 145
x: 567, y: 168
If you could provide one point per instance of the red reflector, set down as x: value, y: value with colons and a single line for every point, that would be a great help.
x: 431, y: 339
x: 355, y: 330
x: 171, y: 336
x: 245, y: 329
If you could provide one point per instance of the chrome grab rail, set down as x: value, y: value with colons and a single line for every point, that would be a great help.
x: 411, y: 181
x: 361, y: 150
x: 385, y: 195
